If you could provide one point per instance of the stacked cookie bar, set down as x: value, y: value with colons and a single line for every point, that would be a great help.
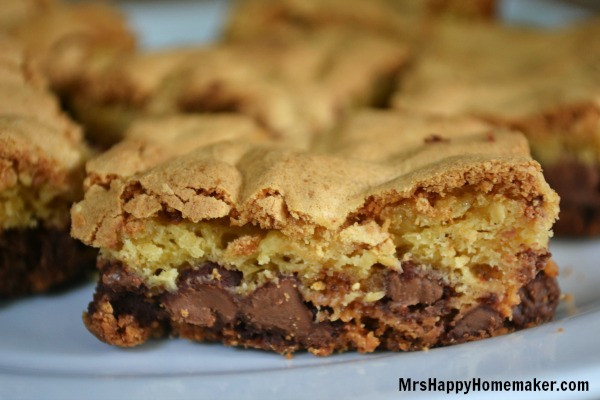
x: 546, y: 84
x: 45, y: 45
x: 386, y: 236
x: 42, y: 156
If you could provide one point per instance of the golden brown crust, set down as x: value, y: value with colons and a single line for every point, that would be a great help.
x: 294, y: 85
x: 67, y: 42
x: 380, y: 158
x: 519, y: 71
x: 152, y: 141
x: 543, y: 82
x: 39, y: 145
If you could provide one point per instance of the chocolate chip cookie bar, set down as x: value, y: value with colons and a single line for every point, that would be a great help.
x: 295, y: 86
x: 41, y: 170
x: 544, y: 83
x: 395, y: 232
x: 66, y: 42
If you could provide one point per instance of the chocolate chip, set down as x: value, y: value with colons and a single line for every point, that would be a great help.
x: 203, y: 305
x: 538, y: 301
x: 413, y: 286
x: 279, y: 307
x: 478, y: 322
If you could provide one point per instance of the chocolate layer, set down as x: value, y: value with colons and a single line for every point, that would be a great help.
x: 36, y: 260
x: 416, y: 312
x: 578, y: 186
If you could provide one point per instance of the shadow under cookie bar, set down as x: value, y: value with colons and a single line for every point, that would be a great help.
x: 38, y: 259
x: 416, y: 312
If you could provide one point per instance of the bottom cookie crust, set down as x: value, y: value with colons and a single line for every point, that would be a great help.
x: 578, y: 186
x: 40, y: 259
x: 415, y: 314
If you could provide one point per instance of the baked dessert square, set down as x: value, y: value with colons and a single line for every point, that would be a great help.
x: 296, y: 86
x: 396, y: 232
x: 67, y: 42
x: 42, y: 158
x: 544, y: 83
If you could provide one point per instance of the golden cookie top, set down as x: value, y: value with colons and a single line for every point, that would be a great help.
x: 41, y: 150
x: 66, y: 42
x: 501, y: 72
x: 294, y: 85
x: 377, y: 159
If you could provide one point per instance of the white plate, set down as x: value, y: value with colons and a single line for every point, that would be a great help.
x: 45, y: 351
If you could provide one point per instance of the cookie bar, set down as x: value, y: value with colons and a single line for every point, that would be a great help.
x: 404, y: 18
x: 41, y: 169
x: 544, y: 83
x: 295, y: 86
x: 396, y: 232
x: 66, y: 42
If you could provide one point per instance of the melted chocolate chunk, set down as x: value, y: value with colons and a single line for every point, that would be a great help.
x: 204, y: 297
x: 539, y: 299
x: 479, y: 322
x: 204, y: 305
x: 413, y: 286
x: 279, y: 307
